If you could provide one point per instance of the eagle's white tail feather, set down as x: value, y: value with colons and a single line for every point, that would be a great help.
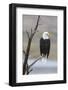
x: 44, y: 59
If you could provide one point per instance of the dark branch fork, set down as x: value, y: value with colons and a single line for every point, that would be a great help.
x: 37, y: 59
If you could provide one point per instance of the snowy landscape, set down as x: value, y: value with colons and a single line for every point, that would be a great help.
x: 43, y: 67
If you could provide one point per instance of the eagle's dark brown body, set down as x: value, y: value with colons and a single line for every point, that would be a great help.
x: 44, y: 47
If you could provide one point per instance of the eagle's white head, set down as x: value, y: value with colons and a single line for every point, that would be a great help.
x: 45, y: 35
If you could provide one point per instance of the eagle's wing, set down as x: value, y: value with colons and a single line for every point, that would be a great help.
x: 41, y: 46
x: 48, y: 51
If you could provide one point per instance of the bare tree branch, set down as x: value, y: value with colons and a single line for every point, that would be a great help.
x: 37, y: 23
x: 34, y: 62
x: 25, y: 67
x: 35, y: 29
x: 31, y: 31
x: 24, y: 52
x: 30, y: 71
x: 27, y: 34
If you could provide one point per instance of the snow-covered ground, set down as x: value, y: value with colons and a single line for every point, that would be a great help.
x: 43, y: 67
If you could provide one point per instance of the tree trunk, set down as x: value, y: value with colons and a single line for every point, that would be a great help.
x: 25, y: 64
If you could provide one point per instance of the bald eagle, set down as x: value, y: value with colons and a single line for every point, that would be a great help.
x: 45, y: 45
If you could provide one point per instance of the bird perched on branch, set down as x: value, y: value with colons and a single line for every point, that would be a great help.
x: 45, y: 45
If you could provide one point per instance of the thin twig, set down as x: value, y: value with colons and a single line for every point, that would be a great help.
x: 35, y: 29
x: 29, y: 71
x: 27, y: 34
x: 37, y: 23
x: 24, y: 52
x: 31, y: 31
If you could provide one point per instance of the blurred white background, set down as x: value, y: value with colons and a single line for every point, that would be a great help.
x: 4, y: 44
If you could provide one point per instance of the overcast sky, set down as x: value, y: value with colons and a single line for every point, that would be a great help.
x: 46, y: 23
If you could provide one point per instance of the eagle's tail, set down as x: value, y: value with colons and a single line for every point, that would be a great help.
x: 44, y: 59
